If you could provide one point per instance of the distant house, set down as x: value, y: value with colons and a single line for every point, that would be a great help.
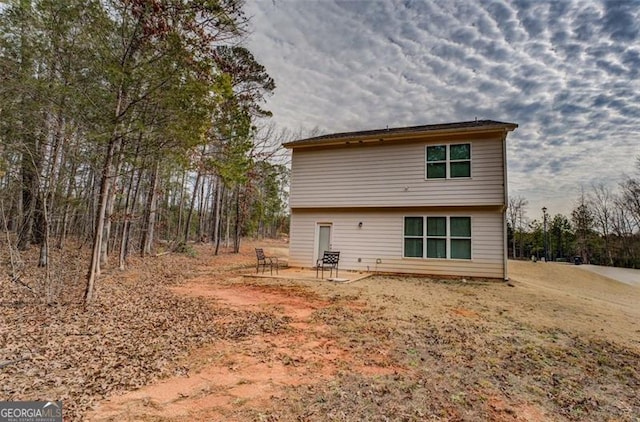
x: 424, y: 199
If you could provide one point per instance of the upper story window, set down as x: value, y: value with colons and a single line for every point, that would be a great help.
x: 448, y: 161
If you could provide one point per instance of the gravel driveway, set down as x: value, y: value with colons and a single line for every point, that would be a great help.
x: 624, y: 275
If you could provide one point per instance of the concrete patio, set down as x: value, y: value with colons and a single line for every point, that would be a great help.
x: 309, y: 274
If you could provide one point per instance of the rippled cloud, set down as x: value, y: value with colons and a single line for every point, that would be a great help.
x: 566, y: 71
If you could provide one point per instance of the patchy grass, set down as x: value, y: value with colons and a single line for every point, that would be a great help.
x: 465, y: 370
x: 389, y: 348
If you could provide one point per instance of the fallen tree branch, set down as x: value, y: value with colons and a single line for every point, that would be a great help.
x: 16, y: 279
x: 11, y: 362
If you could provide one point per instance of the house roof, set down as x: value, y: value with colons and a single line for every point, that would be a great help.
x: 403, y: 133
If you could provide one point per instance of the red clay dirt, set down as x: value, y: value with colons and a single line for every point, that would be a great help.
x: 339, y: 336
x: 230, y: 375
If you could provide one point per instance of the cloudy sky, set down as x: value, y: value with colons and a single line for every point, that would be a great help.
x: 567, y: 72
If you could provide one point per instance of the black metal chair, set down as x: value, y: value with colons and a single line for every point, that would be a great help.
x: 329, y: 261
x: 264, y: 261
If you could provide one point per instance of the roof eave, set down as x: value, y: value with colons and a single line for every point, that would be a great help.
x: 369, y: 138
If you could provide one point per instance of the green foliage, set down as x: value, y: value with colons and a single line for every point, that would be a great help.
x: 95, y: 90
x: 268, y: 210
x: 582, y: 218
x: 583, y: 223
x: 249, y: 78
x: 231, y: 133
x: 186, y: 249
x: 560, y: 237
x: 3, y: 166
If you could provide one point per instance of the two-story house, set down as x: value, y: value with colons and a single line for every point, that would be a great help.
x: 425, y: 199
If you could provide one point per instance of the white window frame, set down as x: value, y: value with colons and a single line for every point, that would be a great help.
x: 422, y: 237
x: 448, y: 161
x: 448, y: 237
x: 427, y: 237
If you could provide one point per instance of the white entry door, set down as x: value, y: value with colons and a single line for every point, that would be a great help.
x: 324, y: 239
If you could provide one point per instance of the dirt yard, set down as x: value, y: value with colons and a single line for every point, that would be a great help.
x: 556, y: 343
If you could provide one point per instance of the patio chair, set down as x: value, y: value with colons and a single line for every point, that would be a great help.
x: 264, y: 261
x: 328, y: 261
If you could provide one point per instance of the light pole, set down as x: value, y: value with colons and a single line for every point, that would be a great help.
x: 544, y: 232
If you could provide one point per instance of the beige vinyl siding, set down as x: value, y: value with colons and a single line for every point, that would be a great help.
x: 392, y: 175
x: 381, y: 237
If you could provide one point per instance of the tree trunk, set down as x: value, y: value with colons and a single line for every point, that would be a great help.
x: 148, y: 223
x: 25, y: 127
x: 152, y: 213
x: 201, y: 210
x: 219, y: 217
x: 67, y: 205
x: 215, y: 234
x: 44, y: 253
x: 126, y: 220
x: 191, y: 206
x: 180, y: 204
x: 40, y: 229
x: 14, y: 211
x: 88, y: 221
x: 236, y: 232
x: 94, y: 264
x: 111, y: 199
x: 46, y: 203
x: 29, y: 187
x: 227, y: 234
x: 520, y: 232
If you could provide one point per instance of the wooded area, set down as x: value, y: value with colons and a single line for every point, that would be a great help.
x: 126, y: 122
x: 603, y: 229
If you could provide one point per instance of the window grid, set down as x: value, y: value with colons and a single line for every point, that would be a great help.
x: 462, y: 241
x: 435, y: 162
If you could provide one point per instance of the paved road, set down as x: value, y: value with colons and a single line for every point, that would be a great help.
x: 624, y: 275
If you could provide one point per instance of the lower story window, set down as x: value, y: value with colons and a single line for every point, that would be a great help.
x: 413, y: 237
x: 437, y: 237
x: 460, y: 237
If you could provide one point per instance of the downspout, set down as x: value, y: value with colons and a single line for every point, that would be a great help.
x: 504, y: 207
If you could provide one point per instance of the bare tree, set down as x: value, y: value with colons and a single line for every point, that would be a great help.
x: 601, y: 202
x: 515, y: 212
x: 630, y: 199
